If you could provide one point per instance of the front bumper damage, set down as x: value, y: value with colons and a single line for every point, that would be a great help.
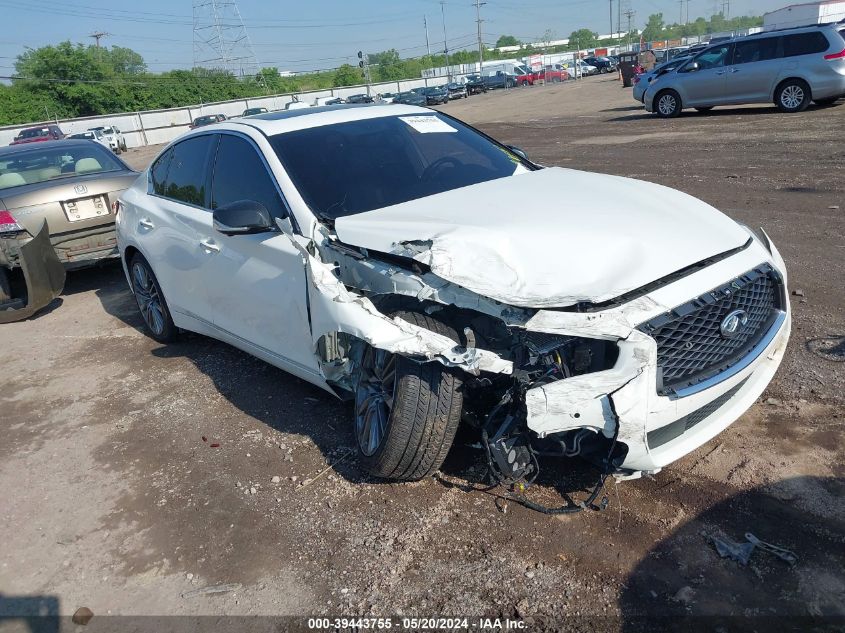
x: 619, y: 404
x: 43, y: 274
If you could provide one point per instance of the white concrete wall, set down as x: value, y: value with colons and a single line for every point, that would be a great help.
x: 162, y: 126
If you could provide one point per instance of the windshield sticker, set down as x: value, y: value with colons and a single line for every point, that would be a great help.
x: 427, y: 124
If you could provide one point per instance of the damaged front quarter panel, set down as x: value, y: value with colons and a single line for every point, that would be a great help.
x: 335, y: 308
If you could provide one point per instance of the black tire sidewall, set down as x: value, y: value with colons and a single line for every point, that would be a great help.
x: 390, y: 459
x: 170, y: 331
x: 5, y: 288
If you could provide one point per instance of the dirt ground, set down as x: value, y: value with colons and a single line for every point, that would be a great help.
x: 133, y: 474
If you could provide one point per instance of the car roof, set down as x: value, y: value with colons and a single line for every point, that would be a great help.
x: 271, y: 123
x: 29, y: 147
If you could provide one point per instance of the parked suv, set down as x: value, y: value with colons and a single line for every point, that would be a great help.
x: 38, y: 134
x: 604, y: 64
x: 113, y: 136
x: 790, y: 68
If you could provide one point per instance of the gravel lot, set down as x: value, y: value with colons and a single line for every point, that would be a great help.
x: 115, y: 499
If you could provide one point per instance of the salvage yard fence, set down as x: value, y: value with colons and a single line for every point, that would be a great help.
x: 153, y: 127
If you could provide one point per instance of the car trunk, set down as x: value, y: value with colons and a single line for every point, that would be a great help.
x: 77, y: 210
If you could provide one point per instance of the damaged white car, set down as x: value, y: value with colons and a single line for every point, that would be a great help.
x: 397, y: 257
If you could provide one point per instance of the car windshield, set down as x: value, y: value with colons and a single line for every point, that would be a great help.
x: 86, y: 135
x: 205, y: 119
x: 41, y: 165
x: 354, y: 167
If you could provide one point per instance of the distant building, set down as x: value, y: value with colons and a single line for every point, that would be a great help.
x: 807, y: 13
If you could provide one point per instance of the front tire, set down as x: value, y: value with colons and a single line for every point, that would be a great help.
x: 667, y: 104
x: 793, y: 95
x: 406, y: 413
x: 151, y: 302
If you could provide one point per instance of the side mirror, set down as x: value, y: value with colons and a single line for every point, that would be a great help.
x: 242, y: 217
x: 519, y: 152
x: 692, y: 67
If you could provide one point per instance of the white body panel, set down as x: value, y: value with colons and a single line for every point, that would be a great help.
x: 541, y: 239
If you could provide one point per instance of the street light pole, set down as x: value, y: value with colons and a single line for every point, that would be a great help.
x: 445, y: 45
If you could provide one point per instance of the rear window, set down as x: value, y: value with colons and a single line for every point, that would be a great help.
x: 35, y: 133
x: 35, y: 166
x: 358, y: 166
x: 804, y: 43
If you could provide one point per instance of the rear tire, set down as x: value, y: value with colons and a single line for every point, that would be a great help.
x: 793, y: 95
x: 5, y: 288
x: 151, y: 301
x: 826, y: 101
x: 406, y: 413
x: 667, y: 104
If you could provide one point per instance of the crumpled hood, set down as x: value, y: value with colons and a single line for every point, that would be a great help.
x: 549, y: 238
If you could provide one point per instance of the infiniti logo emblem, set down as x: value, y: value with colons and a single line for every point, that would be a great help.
x: 732, y: 323
x: 80, y: 189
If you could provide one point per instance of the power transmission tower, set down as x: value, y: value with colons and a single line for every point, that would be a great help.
x: 427, y: 45
x: 681, y: 19
x: 478, y: 21
x: 98, y: 35
x: 221, y: 41
x: 687, y: 22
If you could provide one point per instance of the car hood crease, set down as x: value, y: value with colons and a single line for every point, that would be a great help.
x: 549, y: 238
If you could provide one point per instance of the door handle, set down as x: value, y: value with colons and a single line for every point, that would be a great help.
x: 209, y: 245
x: 720, y: 72
x: 145, y: 223
x: 734, y: 70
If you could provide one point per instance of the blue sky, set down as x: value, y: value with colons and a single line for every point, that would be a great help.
x: 317, y: 33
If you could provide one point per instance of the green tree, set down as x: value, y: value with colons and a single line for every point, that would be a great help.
x: 507, y: 40
x: 347, y: 75
x: 654, y: 28
x: 583, y: 38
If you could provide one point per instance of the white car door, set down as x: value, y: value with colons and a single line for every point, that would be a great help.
x: 256, y: 283
x: 175, y: 226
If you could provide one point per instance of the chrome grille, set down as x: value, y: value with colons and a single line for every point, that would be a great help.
x: 690, y: 345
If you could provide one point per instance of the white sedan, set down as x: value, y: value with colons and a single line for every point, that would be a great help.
x: 397, y: 257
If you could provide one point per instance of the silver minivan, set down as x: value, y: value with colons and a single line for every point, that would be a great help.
x: 790, y: 67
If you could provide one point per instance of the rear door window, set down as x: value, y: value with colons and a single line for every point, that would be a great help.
x: 240, y: 174
x: 758, y: 50
x: 804, y: 43
x: 188, y: 171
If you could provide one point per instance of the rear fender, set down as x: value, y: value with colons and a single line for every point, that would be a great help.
x: 43, y: 273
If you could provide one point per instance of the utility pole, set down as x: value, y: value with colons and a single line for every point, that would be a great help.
x: 445, y: 45
x: 687, y: 22
x: 478, y: 21
x: 618, y: 17
x: 98, y: 35
x: 611, y: 18
x: 630, y: 15
x: 681, y: 19
x: 427, y: 45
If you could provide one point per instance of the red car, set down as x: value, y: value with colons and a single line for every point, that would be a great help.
x: 38, y: 134
x: 552, y: 74
x: 526, y: 79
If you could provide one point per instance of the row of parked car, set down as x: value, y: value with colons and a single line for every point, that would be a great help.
x: 788, y: 67
x: 106, y: 135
